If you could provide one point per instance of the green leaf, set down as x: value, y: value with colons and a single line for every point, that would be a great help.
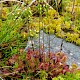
x: 55, y: 78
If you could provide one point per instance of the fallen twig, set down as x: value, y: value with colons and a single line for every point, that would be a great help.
x: 11, y: 0
x: 43, y: 1
x: 8, y: 74
x: 5, y: 67
x: 48, y: 4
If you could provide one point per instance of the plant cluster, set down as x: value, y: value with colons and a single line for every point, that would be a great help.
x: 13, y: 28
x: 39, y: 66
x: 62, y: 26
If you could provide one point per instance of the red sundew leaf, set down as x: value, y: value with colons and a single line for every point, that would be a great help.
x: 43, y: 66
x: 21, y: 65
x: 65, y: 70
x: 66, y: 67
x: 50, y: 55
x: 42, y: 57
x: 29, y: 51
x: 61, y: 64
x: 31, y: 54
x: 55, y: 72
x: 21, y: 50
x: 28, y: 56
x: 58, y: 54
x: 57, y: 65
x: 22, y: 71
x: 40, y: 66
x: 64, y: 59
x: 42, y: 47
x: 36, y: 56
x: 58, y: 60
x: 15, y: 56
x: 36, y: 52
x: 32, y: 65
x: 17, y: 76
x: 46, y: 66
x: 54, y: 59
x: 13, y: 59
x: 62, y: 56
x: 17, y: 69
x: 51, y: 66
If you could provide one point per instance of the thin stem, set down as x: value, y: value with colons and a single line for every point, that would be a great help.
x: 61, y: 45
x: 73, y: 7
x: 49, y: 42
x: 43, y: 32
x: 1, y: 10
x: 32, y: 44
x: 56, y: 1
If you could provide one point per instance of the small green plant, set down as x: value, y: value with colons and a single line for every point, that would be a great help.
x: 13, y: 29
